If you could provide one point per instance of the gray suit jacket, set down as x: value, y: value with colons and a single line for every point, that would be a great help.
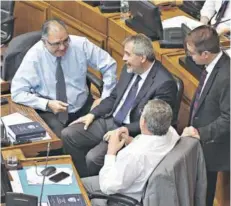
x: 180, y: 179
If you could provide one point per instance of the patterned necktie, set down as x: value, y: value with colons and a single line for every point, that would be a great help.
x: 127, y: 105
x: 198, y: 92
x: 61, y: 90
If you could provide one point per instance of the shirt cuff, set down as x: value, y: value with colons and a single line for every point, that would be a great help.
x: 109, y: 160
x: 44, y: 104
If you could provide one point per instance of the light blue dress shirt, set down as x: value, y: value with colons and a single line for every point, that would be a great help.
x: 34, y: 82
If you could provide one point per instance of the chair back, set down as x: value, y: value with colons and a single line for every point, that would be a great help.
x: 7, y: 21
x: 179, y: 94
x: 16, y: 51
x: 180, y: 178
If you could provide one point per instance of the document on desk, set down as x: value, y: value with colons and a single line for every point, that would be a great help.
x: 35, y: 177
x: 178, y: 20
x: 17, y: 118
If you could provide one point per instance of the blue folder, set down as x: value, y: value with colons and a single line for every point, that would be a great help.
x: 53, y: 189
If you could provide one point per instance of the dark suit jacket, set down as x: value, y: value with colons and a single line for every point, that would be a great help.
x: 212, y: 117
x: 159, y: 84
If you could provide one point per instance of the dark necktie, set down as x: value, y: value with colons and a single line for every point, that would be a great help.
x: 221, y: 12
x: 198, y: 92
x: 127, y: 105
x: 61, y: 90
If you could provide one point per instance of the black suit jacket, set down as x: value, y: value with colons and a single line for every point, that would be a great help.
x: 159, y: 84
x: 212, y: 117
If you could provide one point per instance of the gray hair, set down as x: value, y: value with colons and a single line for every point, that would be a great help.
x: 158, y: 116
x: 51, y: 24
x: 142, y: 46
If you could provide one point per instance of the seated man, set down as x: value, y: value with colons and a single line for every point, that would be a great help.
x: 127, y: 171
x: 52, y: 76
x: 218, y: 14
x: 142, y: 79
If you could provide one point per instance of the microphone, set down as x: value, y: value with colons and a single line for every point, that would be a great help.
x: 45, y: 172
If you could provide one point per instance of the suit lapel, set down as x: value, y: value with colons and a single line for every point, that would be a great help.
x: 147, y: 84
x: 210, y: 81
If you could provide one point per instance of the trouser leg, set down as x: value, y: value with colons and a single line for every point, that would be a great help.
x: 91, y: 184
x: 211, y: 187
x: 77, y: 142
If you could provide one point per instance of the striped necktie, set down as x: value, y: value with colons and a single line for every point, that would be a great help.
x: 198, y: 92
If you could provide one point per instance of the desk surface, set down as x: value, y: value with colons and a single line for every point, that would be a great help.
x: 64, y: 159
x: 31, y: 149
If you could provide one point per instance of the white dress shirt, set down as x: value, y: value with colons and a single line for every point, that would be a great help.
x: 128, y: 172
x: 35, y: 83
x: 209, y: 69
x: 210, y: 7
x: 140, y: 84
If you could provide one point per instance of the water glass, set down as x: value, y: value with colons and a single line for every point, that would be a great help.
x: 12, y: 161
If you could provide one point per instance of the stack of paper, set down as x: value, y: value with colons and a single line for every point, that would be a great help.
x: 35, y: 177
x: 178, y: 20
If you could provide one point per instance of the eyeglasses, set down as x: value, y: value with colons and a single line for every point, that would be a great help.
x: 56, y: 45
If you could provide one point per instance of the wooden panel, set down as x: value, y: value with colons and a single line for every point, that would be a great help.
x: 97, y: 20
x: 116, y: 51
x: 171, y: 62
x: 69, y: 7
x: 29, y: 16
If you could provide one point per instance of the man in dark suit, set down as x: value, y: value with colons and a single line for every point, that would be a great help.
x: 210, y: 109
x: 142, y: 79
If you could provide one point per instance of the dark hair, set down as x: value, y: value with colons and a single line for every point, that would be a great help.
x: 204, y: 38
x: 48, y: 24
x: 142, y: 46
x: 158, y: 116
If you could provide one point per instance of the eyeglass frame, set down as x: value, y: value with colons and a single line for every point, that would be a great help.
x: 56, y: 45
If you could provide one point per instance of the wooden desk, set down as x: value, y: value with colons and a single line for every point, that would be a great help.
x: 64, y: 159
x: 31, y: 149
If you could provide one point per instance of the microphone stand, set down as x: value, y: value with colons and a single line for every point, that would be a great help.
x: 43, y: 182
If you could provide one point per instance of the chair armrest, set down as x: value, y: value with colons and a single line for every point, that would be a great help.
x: 95, y: 81
x: 7, y: 20
x: 115, y: 198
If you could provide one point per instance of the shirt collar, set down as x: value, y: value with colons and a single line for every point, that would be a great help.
x: 145, y: 74
x: 171, y: 135
x: 212, y: 64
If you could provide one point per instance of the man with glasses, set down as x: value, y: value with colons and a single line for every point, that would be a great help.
x: 52, y: 76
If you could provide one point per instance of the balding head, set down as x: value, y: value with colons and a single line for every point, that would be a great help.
x: 52, y: 26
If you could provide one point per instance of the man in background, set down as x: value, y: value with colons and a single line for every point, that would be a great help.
x: 52, y: 76
x: 218, y: 14
x: 126, y: 170
x: 210, y: 109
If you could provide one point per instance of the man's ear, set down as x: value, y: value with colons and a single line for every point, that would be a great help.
x: 142, y: 123
x: 206, y: 54
x: 143, y: 59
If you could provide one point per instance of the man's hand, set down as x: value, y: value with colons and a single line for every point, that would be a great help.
x: 116, y: 132
x: 57, y: 106
x: 96, y: 103
x: 87, y: 120
x: 190, y: 131
x: 115, y: 144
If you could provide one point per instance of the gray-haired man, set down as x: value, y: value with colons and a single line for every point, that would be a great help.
x: 127, y: 171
